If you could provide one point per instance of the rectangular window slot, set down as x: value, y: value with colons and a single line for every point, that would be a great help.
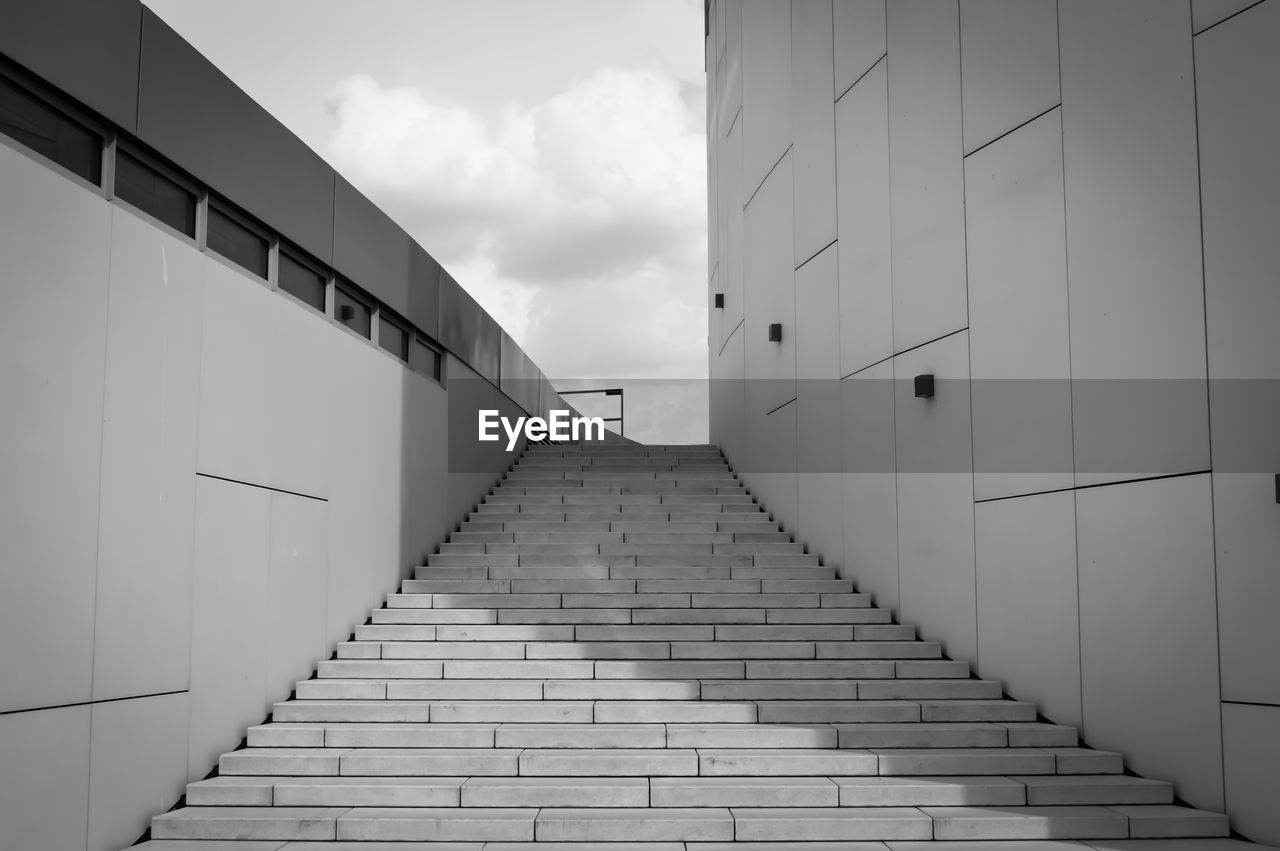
x: 237, y: 242
x: 301, y: 281
x: 393, y: 338
x: 154, y: 194
x: 352, y: 312
x: 37, y: 125
x: 425, y: 359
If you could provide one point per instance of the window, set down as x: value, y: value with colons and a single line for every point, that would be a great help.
x: 393, y: 338
x: 426, y: 359
x: 301, y: 281
x: 48, y: 132
x: 237, y: 242
x: 352, y: 311
x: 154, y: 194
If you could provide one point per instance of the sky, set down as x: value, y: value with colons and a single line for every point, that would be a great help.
x: 551, y: 154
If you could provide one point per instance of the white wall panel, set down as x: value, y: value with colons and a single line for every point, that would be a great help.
x: 1251, y: 745
x: 1206, y: 13
x: 235, y: 377
x: 859, y: 39
x: 728, y: 400
x: 769, y: 285
x: 142, y: 640
x: 1019, y: 344
x: 365, y: 480
x: 228, y: 665
x: 812, y: 101
x: 925, y: 171
x: 300, y: 388
x: 862, y: 192
x: 424, y: 513
x: 1246, y: 532
x: 1009, y: 65
x: 1133, y: 252
x: 1028, y: 609
x: 730, y: 89
x: 1237, y: 72
x: 771, y: 470
x: 766, y: 87
x: 819, y: 438
x: 870, y: 485
x: 298, y: 579
x: 52, y: 338
x: 46, y: 803
x: 729, y: 273
x: 137, y: 767
x: 1148, y: 630
x: 935, y: 496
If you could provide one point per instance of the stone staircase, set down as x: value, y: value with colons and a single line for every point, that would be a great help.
x: 620, y: 646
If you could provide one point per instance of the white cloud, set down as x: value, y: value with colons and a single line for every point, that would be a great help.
x: 578, y: 222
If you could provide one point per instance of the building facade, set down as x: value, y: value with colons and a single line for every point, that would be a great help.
x: 239, y: 405
x: 1064, y: 214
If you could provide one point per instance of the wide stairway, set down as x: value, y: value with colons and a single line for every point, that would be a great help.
x: 619, y: 646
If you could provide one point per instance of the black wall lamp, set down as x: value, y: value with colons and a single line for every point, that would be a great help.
x: 1277, y: 488
x: 924, y: 386
x: 346, y: 312
x: 775, y: 332
x: 720, y: 300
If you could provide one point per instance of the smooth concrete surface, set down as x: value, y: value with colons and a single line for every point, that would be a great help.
x: 1132, y: 214
x: 731, y: 258
x: 46, y: 804
x: 769, y: 290
x: 128, y: 779
x: 216, y: 484
x: 935, y: 496
x: 1148, y: 630
x: 1028, y: 611
x: 865, y: 246
x: 1062, y: 183
x: 1247, y: 537
x: 1020, y: 348
x: 766, y: 89
x: 870, y: 485
x: 149, y: 426
x: 859, y: 35
x: 229, y: 668
x: 925, y: 171
x: 812, y: 99
x: 53, y: 429
x: 1251, y: 747
x: 1008, y: 65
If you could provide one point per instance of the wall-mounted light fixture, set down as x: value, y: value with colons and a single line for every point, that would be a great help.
x: 1277, y: 488
x: 720, y: 300
x: 346, y: 312
x: 924, y: 386
x: 775, y: 332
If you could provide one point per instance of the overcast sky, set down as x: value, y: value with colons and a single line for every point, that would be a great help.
x: 550, y: 154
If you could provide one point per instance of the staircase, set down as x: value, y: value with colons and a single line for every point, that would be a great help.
x: 620, y: 646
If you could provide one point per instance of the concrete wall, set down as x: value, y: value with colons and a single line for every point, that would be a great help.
x: 206, y: 482
x: 1064, y: 211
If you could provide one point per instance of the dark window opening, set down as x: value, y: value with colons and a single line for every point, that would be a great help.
x: 352, y: 312
x: 393, y: 338
x: 425, y: 359
x: 237, y: 243
x: 155, y: 194
x: 49, y: 133
x: 302, y: 282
